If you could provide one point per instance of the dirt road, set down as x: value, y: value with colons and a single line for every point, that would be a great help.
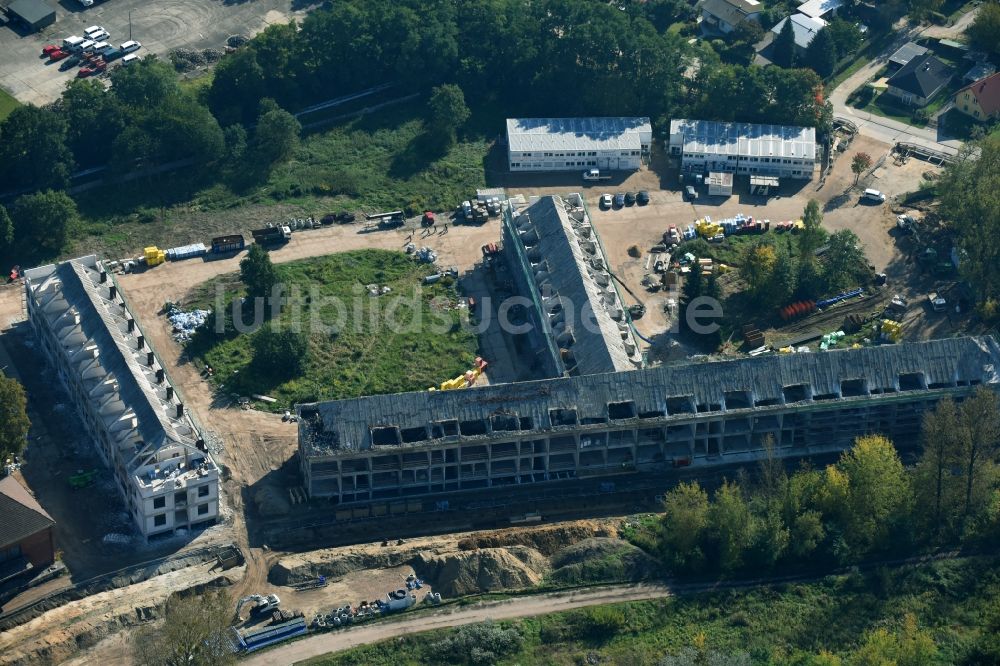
x: 454, y: 617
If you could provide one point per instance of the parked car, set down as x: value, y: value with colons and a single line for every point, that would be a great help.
x: 690, y: 193
x: 606, y: 201
x: 112, y: 54
x: 642, y: 198
x: 96, y: 33
x: 92, y: 69
x: 70, y: 62
x: 619, y: 200
x: 129, y: 46
x: 85, y: 46
x: 58, y: 54
x: 71, y: 43
x: 101, y: 47
x: 130, y: 58
x: 49, y: 49
x: 629, y: 198
x: 873, y: 196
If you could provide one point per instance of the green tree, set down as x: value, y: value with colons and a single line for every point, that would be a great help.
x: 93, y: 118
x: 921, y: 9
x: 757, y: 262
x: 685, y: 520
x: 146, y: 84
x: 14, y: 421
x: 276, y: 136
x: 749, y: 32
x: 43, y: 219
x: 981, y: 421
x: 235, y: 138
x: 237, y: 87
x: 845, y: 260
x: 908, y: 645
x: 195, y: 632
x: 784, y: 277
x: 182, y: 128
x: 6, y: 230
x: 821, y: 54
x: 257, y: 272
x: 448, y: 112
x: 859, y: 164
x: 812, y: 235
x: 806, y: 533
x: 730, y: 526
x: 279, y: 354
x: 985, y: 27
x: 879, y: 495
x: 33, y: 150
x: 970, y: 200
x: 783, y: 46
x: 133, y: 146
x: 845, y: 35
x: 938, y: 491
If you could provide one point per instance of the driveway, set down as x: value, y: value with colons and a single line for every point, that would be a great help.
x: 160, y: 26
x: 888, y: 130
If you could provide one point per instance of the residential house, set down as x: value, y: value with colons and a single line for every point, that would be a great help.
x: 724, y: 15
x: 804, y: 28
x: 26, y: 539
x: 981, y: 100
x: 919, y: 80
x: 821, y: 9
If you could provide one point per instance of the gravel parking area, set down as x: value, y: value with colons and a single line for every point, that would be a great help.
x: 160, y: 26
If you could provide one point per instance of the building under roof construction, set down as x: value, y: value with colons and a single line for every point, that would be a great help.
x: 420, y: 444
x: 578, y: 325
x: 163, y: 470
x: 784, y: 151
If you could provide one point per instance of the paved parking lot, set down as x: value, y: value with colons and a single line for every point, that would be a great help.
x: 160, y: 26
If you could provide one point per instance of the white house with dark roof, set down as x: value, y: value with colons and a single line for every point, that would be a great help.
x: 917, y: 82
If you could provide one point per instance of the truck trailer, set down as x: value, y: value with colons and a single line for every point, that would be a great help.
x: 272, y: 235
x: 225, y: 244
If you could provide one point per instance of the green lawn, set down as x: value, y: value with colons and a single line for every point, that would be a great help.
x: 407, y: 340
x: 886, y: 106
x: 7, y: 104
x: 787, y: 624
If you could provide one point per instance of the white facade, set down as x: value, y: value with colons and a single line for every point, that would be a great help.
x: 577, y: 144
x: 744, y: 148
x: 161, y: 464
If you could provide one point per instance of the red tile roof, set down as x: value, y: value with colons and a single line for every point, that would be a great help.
x: 22, y: 514
x: 987, y: 93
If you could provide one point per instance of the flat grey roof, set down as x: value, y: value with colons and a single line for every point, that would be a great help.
x: 906, y: 53
x: 547, y: 134
x: 711, y: 137
x: 803, y: 27
x: 31, y: 11
x: 344, y: 426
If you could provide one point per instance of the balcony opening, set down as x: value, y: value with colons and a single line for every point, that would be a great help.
x: 562, y: 417
x: 621, y: 410
x: 386, y: 436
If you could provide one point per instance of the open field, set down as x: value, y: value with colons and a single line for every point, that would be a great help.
x: 359, y: 344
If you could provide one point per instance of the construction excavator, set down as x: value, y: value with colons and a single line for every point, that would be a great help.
x: 262, y: 604
x: 464, y: 380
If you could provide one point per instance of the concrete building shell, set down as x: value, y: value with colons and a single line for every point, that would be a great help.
x: 429, y: 443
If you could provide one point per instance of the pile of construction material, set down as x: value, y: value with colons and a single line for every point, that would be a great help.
x: 185, y: 323
x: 830, y: 340
x: 376, y: 290
x: 423, y: 254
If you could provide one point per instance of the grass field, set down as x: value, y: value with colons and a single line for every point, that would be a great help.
x: 7, y: 104
x: 951, y: 601
x: 407, y: 340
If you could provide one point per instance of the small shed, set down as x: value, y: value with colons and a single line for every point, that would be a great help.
x: 720, y: 184
x: 35, y: 14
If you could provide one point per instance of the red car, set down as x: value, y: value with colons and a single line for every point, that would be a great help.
x: 84, y: 72
x: 58, y: 55
x: 49, y: 49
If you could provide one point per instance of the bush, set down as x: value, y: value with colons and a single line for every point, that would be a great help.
x: 485, y: 643
x: 279, y: 353
x: 601, y: 622
x: 920, y: 115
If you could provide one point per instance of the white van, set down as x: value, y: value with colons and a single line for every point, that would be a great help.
x: 130, y: 58
x: 86, y: 45
x: 72, y: 43
x: 874, y: 195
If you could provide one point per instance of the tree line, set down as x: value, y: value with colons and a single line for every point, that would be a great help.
x: 867, y: 504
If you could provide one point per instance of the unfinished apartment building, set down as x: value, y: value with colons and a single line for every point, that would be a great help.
x: 134, y: 416
x: 414, y: 444
x: 577, y: 323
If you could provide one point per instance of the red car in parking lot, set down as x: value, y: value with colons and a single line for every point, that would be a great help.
x: 49, y: 49
x: 92, y: 69
x: 58, y: 54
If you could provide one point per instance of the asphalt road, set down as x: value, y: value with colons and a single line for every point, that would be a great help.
x: 160, y: 26
x: 888, y: 130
